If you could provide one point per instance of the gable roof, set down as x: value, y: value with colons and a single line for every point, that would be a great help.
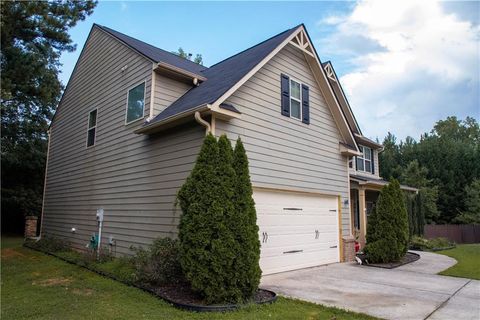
x: 153, y: 53
x: 223, y: 76
x: 342, y: 99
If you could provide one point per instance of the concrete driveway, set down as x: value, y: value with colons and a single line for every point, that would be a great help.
x: 412, y: 291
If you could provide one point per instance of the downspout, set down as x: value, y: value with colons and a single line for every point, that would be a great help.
x: 203, y: 122
x: 152, y: 94
x: 45, y: 184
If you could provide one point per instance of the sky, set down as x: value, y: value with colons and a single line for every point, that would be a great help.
x: 403, y: 64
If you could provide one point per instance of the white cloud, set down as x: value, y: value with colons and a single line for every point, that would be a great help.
x: 417, y: 64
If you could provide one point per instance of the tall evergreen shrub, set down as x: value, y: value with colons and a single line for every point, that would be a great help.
x: 248, y: 269
x: 219, y: 246
x: 203, y: 235
x: 387, y: 231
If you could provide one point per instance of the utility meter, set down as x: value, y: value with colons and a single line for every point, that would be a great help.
x: 100, y: 214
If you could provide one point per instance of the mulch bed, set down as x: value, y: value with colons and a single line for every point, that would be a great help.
x: 408, y: 258
x: 181, y: 296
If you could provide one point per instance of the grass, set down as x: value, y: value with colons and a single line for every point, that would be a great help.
x: 38, y: 286
x: 468, y: 257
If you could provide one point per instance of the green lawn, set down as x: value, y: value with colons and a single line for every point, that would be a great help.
x: 38, y: 286
x: 468, y: 257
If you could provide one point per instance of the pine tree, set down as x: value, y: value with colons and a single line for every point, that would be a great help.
x: 387, y: 232
x: 249, y: 271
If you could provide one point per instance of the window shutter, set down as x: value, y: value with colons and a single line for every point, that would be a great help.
x: 305, y: 105
x: 373, y: 161
x: 285, y: 97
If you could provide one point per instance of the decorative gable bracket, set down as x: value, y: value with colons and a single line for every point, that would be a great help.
x: 300, y: 40
x: 329, y: 72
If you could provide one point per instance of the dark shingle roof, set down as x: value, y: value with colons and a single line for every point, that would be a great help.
x: 222, y: 76
x: 154, y: 53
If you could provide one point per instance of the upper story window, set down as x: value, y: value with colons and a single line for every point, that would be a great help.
x: 365, y: 161
x: 92, y: 128
x: 295, y: 99
x: 135, y: 103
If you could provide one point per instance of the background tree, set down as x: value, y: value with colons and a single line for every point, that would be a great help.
x: 472, y: 204
x: 448, y: 154
x: 249, y: 272
x: 33, y: 36
x: 198, y: 57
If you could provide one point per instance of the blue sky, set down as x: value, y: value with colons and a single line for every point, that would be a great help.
x: 403, y: 65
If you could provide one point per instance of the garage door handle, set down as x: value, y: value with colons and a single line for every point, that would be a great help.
x: 293, y: 251
x: 333, y: 247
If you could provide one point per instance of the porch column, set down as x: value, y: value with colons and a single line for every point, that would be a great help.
x: 362, y: 214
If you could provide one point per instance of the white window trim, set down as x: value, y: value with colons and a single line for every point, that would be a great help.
x: 89, y: 128
x: 144, y: 82
x: 362, y: 158
x: 291, y: 97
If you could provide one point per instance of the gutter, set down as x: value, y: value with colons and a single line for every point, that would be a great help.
x: 148, y: 127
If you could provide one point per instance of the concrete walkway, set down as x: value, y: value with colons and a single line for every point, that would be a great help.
x: 412, y: 291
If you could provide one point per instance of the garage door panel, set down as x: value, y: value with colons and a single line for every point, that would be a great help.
x: 298, y: 240
x: 302, y: 230
x: 290, y: 220
x: 289, y: 249
x: 297, y: 261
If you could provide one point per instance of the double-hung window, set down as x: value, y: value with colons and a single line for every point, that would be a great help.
x: 135, y: 103
x: 295, y: 99
x: 92, y: 128
x: 364, y: 162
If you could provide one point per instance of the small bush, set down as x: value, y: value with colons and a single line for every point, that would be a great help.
x: 420, y: 243
x: 50, y: 244
x: 159, y: 263
x: 387, y: 231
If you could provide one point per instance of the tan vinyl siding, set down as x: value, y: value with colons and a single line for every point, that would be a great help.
x: 167, y: 90
x: 134, y: 178
x: 285, y: 153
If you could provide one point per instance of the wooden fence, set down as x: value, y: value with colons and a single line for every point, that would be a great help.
x: 460, y: 233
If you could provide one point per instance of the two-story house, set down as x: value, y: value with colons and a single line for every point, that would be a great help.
x: 133, y: 117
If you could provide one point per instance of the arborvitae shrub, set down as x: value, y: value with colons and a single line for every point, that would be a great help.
x: 201, y: 226
x: 387, y: 231
x: 219, y: 246
x: 248, y: 269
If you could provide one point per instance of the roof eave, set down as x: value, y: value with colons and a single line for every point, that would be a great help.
x: 368, y: 142
x: 163, y: 66
x: 220, y: 113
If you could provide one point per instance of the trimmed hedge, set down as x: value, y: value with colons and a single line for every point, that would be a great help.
x: 387, y: 231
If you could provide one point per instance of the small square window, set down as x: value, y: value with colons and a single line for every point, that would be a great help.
x: 135, y: 103
x: 364, y: 162
x: 92, y: 126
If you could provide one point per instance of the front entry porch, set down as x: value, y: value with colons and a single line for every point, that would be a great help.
x: 362, y: 201
x: 364, y: 192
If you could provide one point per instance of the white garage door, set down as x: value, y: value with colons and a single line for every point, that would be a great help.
x: 296, y: 230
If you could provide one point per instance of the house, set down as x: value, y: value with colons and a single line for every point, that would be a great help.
x: 132, y: 119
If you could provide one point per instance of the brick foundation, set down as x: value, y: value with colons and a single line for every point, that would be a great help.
x: 31, y: 226
x: 348, y: 248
